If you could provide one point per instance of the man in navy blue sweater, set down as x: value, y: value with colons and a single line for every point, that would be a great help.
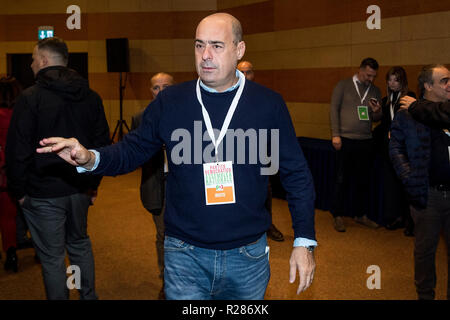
x: 215, y: 245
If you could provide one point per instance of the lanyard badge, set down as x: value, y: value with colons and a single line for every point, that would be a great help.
x: 218, y: 176
x: 363, y: 111
x: 219, y: 183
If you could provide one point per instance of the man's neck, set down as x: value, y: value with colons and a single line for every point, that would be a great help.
x: 228, y: 87
x: 358, y: 77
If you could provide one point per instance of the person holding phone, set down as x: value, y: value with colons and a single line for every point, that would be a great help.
x: 351, y: 115
x: 395, y: 205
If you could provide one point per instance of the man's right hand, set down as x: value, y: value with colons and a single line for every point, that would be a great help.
x: 337, y: 143
x: 406, y: 101
x: 69, y: 150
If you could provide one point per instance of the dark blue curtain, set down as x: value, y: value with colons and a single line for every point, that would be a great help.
x: 320, y: 156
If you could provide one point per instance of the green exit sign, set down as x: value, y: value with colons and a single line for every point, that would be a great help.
x: 45, y: 32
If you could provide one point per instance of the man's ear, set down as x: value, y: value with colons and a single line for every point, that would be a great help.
x: 428, y: 86
x: 44, y: 61
x: 240, y: 50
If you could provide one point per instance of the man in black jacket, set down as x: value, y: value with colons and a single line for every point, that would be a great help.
x: 421, y: 159
x: 54, y: 198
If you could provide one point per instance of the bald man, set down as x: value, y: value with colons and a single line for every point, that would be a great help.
x: 246, y: 68
x: 215, y: 238
x: 159, y: 82
x: 153, y: 178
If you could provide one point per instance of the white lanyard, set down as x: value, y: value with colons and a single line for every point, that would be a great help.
x: 230, y: 113
x: 392, y: 104
x: 357, y: 90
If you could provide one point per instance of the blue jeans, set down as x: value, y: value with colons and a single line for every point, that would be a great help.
x: 193, y: 273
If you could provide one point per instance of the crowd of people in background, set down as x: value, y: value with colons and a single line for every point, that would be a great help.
x: 42, y: 194
x: 415, y: 158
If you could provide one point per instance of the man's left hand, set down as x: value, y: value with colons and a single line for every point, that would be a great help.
x: 303, y: 261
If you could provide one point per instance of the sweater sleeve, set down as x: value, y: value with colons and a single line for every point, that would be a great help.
x: 100, y: 135
x: 335, y: 109
x: 295, y: 176
x: 136, y: 147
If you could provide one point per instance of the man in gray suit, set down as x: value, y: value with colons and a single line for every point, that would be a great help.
x: 153, y: 178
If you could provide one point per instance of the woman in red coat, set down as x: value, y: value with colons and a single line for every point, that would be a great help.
x: 9, y: 90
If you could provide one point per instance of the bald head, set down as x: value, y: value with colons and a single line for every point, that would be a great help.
x: 218, y: 48
x: 159, y: 82
x: 246, y: 68
x: 229, y: 20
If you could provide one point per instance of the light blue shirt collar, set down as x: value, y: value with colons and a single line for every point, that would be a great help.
x: 228, y: 90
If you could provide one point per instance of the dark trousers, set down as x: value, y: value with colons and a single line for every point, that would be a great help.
x: 21, y: 226
x: 395, y: 203
x: 428, y: 225
x: 160, y: 233
x: 353, y: 162
x: 57, y: 224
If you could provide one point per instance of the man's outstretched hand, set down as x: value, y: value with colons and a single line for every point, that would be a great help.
x: 69, y: 150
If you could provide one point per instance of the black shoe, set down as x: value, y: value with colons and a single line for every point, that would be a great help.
x: 275, y: 234
x: 11, y: 260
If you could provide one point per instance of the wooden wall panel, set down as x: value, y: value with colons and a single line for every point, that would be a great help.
x: 299, y: 48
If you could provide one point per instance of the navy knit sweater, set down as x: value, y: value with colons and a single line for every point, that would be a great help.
x: 176, y: 111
